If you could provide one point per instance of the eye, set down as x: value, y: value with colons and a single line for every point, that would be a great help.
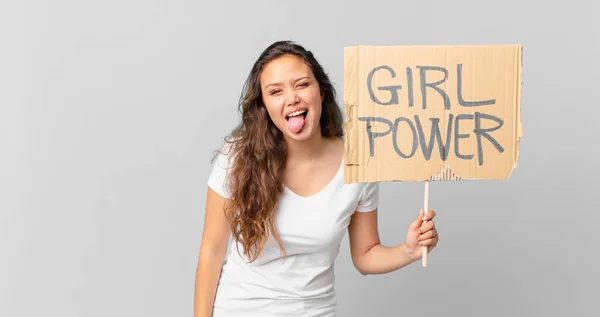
x: 304, y: 84
x: 274, y: 91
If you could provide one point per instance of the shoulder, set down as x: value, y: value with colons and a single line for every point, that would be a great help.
x: 368, y: 197
x: 223, y: 156
x: 366, y: 194
x: 221, y: 166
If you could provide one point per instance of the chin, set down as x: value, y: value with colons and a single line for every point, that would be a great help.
x: 299, y: 137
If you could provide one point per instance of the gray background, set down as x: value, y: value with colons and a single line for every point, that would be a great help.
x: 110, y: 111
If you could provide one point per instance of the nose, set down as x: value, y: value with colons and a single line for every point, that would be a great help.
x: 292, y: 98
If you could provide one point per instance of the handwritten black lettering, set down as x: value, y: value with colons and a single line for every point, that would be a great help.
x: 435, y: 135
x: 379, y: 127
x: 392, y: 89
x: 434, y: 85
x: 479, y: 132
x: 458, y: 135
x: 461, y: 100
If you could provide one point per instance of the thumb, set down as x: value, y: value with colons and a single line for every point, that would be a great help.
x: 417, y: 222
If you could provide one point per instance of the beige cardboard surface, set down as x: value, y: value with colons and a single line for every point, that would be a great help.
x: 395, y: 96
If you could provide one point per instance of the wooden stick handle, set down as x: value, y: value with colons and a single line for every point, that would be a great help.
x: 425, y: 210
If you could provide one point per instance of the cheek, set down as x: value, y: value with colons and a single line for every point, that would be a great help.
x: 274, y: 109
x: 313, y: 98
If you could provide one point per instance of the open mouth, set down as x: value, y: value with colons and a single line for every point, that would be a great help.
x: 296, y: 114
x: 296, y: 121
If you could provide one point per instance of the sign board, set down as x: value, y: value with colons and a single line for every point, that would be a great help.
x: 426, y: 113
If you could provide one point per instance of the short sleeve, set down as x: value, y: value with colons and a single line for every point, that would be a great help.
x: 217, y: 180
x: 369, y: 199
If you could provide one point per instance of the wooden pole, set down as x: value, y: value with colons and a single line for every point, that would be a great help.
x: 425, y: 210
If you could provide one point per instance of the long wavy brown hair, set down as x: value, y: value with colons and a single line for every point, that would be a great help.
x: 258, y: 153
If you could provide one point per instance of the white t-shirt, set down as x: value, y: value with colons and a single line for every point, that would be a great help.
x: 311, y: 229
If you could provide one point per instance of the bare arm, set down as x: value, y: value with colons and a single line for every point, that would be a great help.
x: 371, y: 257
x: 212, y: 254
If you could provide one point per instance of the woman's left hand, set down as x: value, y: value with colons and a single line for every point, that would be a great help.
x: 422, y: 232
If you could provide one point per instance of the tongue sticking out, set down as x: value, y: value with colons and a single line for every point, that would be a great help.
x: 295, y: 123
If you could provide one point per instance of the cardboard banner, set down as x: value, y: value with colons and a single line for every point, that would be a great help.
x: 423, y: 113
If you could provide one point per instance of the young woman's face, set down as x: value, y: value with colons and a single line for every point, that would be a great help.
x: 292, y: 97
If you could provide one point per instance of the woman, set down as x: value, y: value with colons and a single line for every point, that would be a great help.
x: 277, y: 187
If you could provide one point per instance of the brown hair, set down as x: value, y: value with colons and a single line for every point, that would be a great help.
x: 258, y: 153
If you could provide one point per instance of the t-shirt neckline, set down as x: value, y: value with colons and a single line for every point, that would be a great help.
x: 324, y: 189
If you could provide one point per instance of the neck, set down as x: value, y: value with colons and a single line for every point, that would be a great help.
x: 307, y: 150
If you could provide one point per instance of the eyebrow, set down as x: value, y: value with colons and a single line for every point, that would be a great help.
x: 279, y: 83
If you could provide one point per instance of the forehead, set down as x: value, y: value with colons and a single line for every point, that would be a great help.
x: 285, y: 68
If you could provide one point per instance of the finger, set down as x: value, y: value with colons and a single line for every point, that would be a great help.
x: 417, y: 222
x: 427, y: 226
x: 429, y: 215
x: 427, y: 242
x: 427, y: 235
x: 435, y: 241
x: 427, y: 239
x: 432, y: 246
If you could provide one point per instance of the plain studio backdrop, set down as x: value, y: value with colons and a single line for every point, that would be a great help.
x: 110, y: 112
